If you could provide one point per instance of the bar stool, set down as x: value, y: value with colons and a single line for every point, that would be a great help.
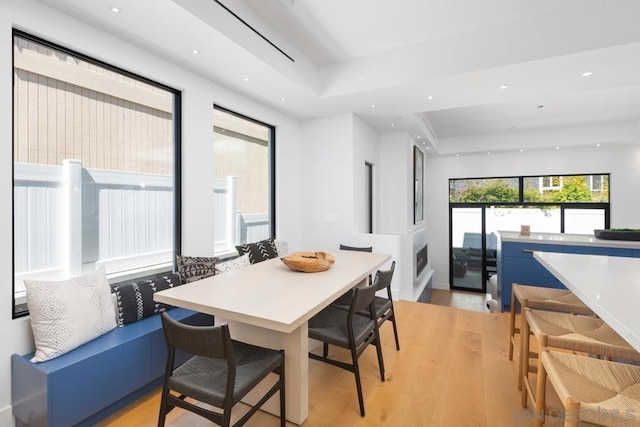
x: 588, y: 335
x: 551, y: 299
x: 591, y: 390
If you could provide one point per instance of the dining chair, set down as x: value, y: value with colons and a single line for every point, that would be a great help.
x: 594, y: 391
x: 221, y: 372
x: 349, y: 330
x: 541, y: 298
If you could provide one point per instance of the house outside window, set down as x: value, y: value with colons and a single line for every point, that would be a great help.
x: 94, y: 168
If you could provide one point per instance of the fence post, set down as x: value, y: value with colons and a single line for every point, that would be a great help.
x: 72, y: 217
x: 231, y: 211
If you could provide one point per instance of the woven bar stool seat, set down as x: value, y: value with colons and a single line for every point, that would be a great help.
x: 540, y: 298
x: 588, y: 335
x: 599, y: 392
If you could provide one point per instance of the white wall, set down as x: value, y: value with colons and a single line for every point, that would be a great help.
x: 366, y: 148
x: 396, y: 189
x: 197, y: 183
x: 622, y: 161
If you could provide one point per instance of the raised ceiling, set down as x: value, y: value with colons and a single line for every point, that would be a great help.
x: 396, y: 55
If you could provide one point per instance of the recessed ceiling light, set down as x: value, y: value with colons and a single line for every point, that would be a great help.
x: 419, y: 137
x: 392, y: 125
x: 586, y: 73
x: 488, y: 152
x: 557, y: 148
x: 246, y: 79
x: 115, y: 9
x: 430, y: 97
x: 521, y: 150
x: 283, y: 99
x: 504, y: 86
x: 457, y: 155
x: 373, y: 105
x: 427, y: 147
x: 597, y: 145
x: 195, y: 51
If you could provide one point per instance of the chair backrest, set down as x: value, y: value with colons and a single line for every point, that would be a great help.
x: 383, y: 277
x: 356, y: 248
x: 362, y: 299
x: 207, y: 341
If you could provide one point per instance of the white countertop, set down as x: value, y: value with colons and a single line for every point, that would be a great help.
x: 609, y: 285
x: 566, y: 239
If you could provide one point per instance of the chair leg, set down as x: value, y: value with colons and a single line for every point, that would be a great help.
x: 380, y: 359
x: 523, y: 367
x: 512, y: 324
x: 541, y: 386
x: 572, y: 413
x: 395, y: 328
x: 325, y: 350
x: 356, y: 372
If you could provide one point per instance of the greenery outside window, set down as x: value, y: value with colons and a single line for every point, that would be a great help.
x: 95, y: 168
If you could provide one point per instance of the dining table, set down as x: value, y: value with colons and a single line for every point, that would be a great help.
x: 609, y: 285
x: 269, y: 305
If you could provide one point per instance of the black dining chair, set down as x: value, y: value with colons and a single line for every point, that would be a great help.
x: 351, y: 331
x: 221, y: 372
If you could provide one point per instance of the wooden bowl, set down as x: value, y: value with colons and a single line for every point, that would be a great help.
x: 309, y: 262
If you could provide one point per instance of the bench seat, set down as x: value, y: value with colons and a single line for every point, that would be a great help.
x: 96, y: 379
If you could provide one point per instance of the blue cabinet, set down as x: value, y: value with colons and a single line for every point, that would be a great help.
x: 516, y: 264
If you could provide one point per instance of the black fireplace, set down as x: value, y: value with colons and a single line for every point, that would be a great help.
x: 422, y: 259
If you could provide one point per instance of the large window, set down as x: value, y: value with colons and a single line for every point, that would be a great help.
x: 244, y: 180
x: 95, y: 171
x: 479, y: 207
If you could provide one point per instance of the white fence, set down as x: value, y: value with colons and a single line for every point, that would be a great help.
x: 68, y: 218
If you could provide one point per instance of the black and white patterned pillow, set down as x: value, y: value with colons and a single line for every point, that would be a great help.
x: 233, y: 264
x: 192, y: 268
x: 259, y: 251
x: 282, y: 247
x: 135, y: 299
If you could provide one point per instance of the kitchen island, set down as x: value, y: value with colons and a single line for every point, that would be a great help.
x: 516, y: 263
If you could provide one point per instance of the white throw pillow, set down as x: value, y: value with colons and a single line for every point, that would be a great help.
x: 234, y: 264
x: 68, y: 313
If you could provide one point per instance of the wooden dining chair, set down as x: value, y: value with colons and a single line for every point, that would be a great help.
x: 221, y: 372
x: 349, y: 330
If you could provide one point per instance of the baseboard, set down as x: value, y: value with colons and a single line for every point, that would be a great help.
x: 441, y: 286
x: 6, y: 417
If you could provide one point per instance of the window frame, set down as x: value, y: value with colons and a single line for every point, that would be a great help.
x: 271, y: 144
x: 176, y: 133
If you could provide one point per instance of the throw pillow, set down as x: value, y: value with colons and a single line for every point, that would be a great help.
x: 233, y: 264
x: 135, y: 299
x: 282, y: 247
x: 259, y: 251
x: 68, y: 313
x: 192, y: 268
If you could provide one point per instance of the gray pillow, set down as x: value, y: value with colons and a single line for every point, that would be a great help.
x: 191, y: 268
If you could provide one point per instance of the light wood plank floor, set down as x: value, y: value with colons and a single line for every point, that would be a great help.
x: 452, y: 370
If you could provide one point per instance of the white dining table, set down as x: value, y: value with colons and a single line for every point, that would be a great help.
x: 269, y: 305
x: 609, y: 285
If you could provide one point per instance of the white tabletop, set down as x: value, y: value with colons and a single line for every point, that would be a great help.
x: 270, y: 295
x: 609, y: 285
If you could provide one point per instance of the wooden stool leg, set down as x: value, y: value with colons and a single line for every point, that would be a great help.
x: 523, y: 367
x: 572, y: 413
x: 512, y: 324
x: 541, y: 386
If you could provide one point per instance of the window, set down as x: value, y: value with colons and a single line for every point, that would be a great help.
x: 550, y: 183
x: 95, y: 172
x: 243, y: 163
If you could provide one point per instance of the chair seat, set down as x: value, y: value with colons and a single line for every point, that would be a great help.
x: 382, y: 304
x: 551, y: 299
x: 602, y: 387
x: 579, y: 333
x: 204, y: 378
x: 330, y: 326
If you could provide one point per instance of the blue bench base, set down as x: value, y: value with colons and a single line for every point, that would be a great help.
x: 96, y: 379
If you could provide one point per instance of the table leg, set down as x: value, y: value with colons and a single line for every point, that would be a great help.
x: 296, y: 347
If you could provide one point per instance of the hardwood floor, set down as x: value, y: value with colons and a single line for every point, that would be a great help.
x: 452, y: 370
x: 460, y: 299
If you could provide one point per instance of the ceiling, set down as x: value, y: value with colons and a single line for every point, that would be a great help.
x: 432, y: 68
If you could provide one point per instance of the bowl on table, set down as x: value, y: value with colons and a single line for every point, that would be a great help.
x: 309, y: 262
